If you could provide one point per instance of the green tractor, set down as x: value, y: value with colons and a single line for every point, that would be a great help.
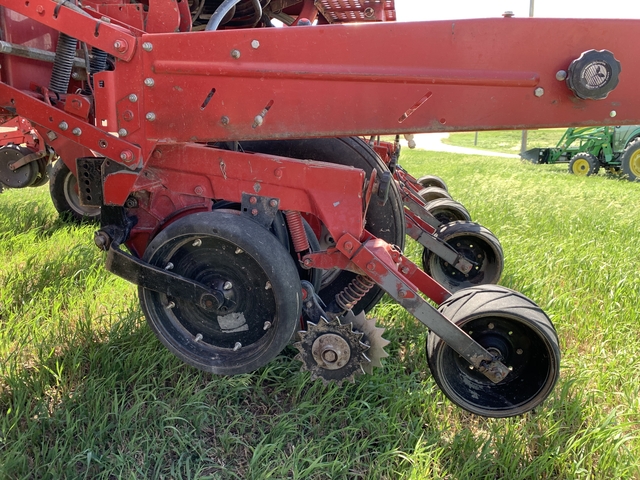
x: 589, y: 148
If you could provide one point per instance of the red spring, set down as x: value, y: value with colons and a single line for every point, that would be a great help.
x: 296, y: 229
x: 353, y: 292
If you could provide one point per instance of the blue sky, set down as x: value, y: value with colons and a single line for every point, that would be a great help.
x: 409, y: 10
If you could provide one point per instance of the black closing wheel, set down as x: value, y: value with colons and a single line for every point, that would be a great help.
x: 433, y: 193
x: 512, y: 328
x: 254, y: 276
x: 476, y: 244
x: 446, y: 210
x: 432, y: 181
x: 63, y: 187
x: 384, y: 220
x: 584, y: 165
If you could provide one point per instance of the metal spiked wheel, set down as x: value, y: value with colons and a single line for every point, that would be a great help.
x: 372, y: 337
x: 475, y: 243
x: 516, y: 331
x: 258, y: 295
x: 332, y: 351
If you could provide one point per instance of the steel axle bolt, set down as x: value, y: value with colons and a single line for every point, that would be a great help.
x: 120, y: 45
x: 169, y: 266
x: 613, y: 113
x: 237, y: 346
x: 123, y: 132
x: 267, y: 326
x: 77, y: 131
x: 198, y: 338
x: 126, y: 155
x: 538, y: 92
x: 227, y: 286
x: 149, y: 82
x: 235, y: 53
x: 133, y: 98
x: 150, y: 116
x: 147, y: 46
x: 255, y: 44
x: 170, y: 305
x: 63, y: 126
x: 197, y: 242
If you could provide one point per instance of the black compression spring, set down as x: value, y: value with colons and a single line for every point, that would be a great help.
x: 61, y: 73
x: 352, y: 293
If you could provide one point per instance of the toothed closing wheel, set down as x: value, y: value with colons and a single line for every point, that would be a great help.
x: 332, y: 351
x: 372, y: 337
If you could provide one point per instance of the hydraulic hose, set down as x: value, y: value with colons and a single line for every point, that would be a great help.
x: 224, y: 8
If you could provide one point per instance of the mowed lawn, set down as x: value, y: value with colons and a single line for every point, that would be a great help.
x: 86, y: 390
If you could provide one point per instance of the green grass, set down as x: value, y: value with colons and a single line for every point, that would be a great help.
x: 507, y: 141
x: 86, y: 391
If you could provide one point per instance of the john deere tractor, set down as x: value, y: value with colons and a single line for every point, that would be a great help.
x: 587, y: 149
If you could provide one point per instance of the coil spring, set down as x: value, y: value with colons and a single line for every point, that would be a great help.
x: 61, y: 73
x: 98, y: 63
x: 296, y: 229
x: 353, y: 293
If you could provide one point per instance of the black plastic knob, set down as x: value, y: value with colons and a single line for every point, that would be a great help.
x: 594, y: 75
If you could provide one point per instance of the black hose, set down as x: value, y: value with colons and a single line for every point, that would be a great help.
x: 225, y: 7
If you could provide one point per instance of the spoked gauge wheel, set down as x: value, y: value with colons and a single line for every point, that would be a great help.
x: 512, y: 328
x: 63, y: 187
x: 447, y: 211
x: 384, y: 221
x: 432, y: 181
x: 475, y: 243
x: 433, y: 193
x: 254, y: 276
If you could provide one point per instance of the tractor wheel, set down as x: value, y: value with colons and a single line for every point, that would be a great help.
x: 432, y: 181
x: 384, y: 221
x: 584, y: 164
x: 447, y: 211
x: 512, y: 328
x: 433, y: 193
x: 631, y: 161
x: 253, y: 274
x: 475, y: 243
x: 63, y: 187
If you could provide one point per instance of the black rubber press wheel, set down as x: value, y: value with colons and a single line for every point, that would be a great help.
x: 251, y: 270
x: 447, y: 211
x: 475, y: 243
x: 432, y: 181
x: 516, y: 331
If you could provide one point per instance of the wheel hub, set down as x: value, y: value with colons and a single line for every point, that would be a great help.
x: 332, y: 351
x: 634, y: 163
